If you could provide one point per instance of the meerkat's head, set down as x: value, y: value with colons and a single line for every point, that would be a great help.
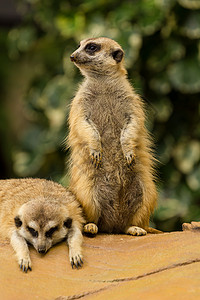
x: 42, y: 224
x: 99, y: 56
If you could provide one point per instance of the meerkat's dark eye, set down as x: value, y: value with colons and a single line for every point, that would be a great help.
x: 32, y: 231
x: 92, y: 47
x: 78, y: 46
x: 50, y: 232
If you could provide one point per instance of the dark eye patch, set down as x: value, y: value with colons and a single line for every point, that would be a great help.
x: 91, y: 48
x: 50, y: 232
x: 18, y: 222
x: 32, y: 231
x: 68, y: 223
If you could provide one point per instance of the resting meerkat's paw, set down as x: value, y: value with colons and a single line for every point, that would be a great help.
x: 25, y: 264
x: 90, y: 228
x: 20, y: 246
x: 75, y: 239
x: 76, y: 260
x: 134, y: 230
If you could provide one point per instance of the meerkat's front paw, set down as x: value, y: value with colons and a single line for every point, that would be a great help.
x: 96, y: 157
x: 75, y: 239
x: 25, y: 264
x: 134, y: 230
x: 75, y: 257
x: 76, y: 261
x: 90, y: 228
x: 130, y: 158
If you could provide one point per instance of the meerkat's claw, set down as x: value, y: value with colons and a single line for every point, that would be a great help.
x: 25, y: 265
x: 72, y: 263
x: 77, y: 262
x: 96, y: 158
x: 130, y: 157
x: 90, y: 228
x: 134, y: 230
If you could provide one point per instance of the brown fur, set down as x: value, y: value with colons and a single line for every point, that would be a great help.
x: 112, y: 166
x: 42, y: 205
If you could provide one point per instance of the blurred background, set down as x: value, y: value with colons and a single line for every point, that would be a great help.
x: 161, y: 39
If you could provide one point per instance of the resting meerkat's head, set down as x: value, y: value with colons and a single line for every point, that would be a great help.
x: 42, y: 224
x: 99, y: 56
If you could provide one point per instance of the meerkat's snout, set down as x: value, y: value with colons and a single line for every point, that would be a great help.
x: 42, y: 249
x: 72, y: 58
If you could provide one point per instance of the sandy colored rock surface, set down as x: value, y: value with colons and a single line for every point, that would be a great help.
x: 165, y: 266
x: 194, y: 226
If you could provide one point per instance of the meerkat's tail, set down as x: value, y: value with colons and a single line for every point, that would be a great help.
x: 153, y: 230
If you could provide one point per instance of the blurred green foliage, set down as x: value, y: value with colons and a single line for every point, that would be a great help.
x: 161, y: 39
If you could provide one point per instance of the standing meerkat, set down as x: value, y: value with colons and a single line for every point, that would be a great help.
x: 111, y: 167
x: 42, y: 213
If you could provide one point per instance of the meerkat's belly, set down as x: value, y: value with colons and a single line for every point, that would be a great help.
x: 109, y: 121
x: 116, y: 218
x: 107, y: 113
x: 119, y: 196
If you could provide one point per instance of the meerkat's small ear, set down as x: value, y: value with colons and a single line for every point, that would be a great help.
x: 18, y: 222
x: 68, y: 223
x: 118, y: 55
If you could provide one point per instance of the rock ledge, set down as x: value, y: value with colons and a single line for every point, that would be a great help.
x: 164, y: 266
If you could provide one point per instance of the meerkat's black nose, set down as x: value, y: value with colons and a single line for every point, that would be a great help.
x: 41, y: 250
x: 72, y: 58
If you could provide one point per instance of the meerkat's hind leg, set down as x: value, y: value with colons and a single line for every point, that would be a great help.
x: 90, y: 229
x: 135, y: 230
x: 20, y: 246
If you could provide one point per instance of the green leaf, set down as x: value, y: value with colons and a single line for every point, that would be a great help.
x: 190, y: 4
x: 54, y: 100
x: 160, y: 83
x: 163, y: 109
x: 165, y: 150
x: 170, y: 208
x: 186, y: 155
x: 185, y: 75
x: 69, y: 26
x: 191, y: 26
x: 21, y: 39
x: 150, y: 15
x: 27, y: 164
x: 169, y: 50
x: 193, y: 179
x: 55, y: 93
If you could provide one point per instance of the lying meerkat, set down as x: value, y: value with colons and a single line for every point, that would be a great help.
x: 41, y: 213
x: 112, y: 166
